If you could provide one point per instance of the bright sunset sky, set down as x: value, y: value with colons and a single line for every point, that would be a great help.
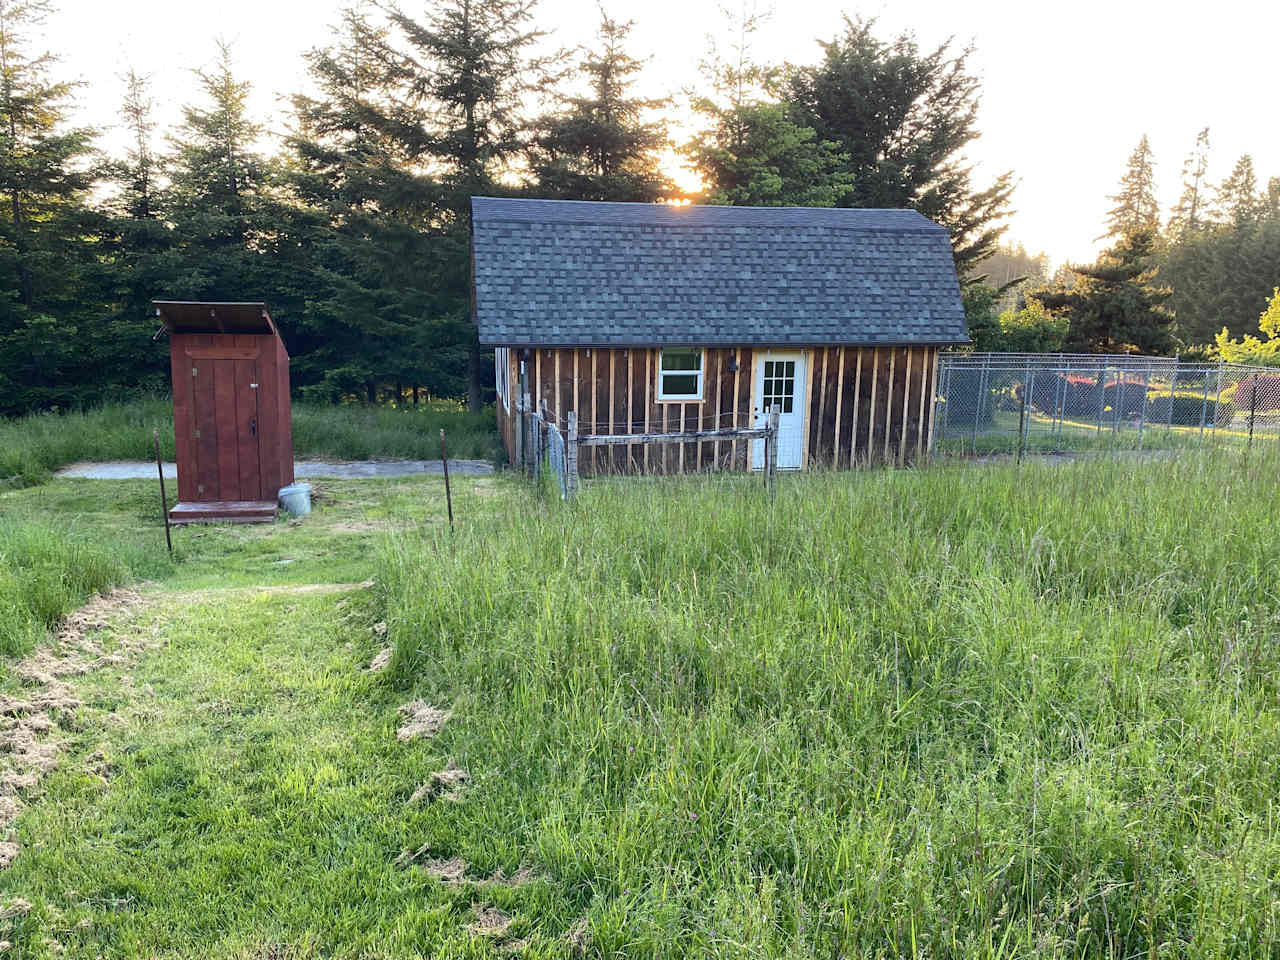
x: 1068, y: 89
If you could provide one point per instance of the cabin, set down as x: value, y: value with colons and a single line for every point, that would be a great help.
x: 231, y: 413
x: 651, y: 318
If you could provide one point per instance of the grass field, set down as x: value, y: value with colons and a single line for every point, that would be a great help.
x: 31, y: 448
x: 958, y: 712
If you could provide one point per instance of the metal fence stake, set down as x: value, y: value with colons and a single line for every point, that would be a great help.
x: 164, y: 497
x: 1142, y: 412
x: 1253, y: 405
x: 1022, y: 419
x: 448, y: 493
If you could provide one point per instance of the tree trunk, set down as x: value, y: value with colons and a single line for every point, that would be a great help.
x: 415, y: 394
x: 475, y: 397
x: 371, y: 391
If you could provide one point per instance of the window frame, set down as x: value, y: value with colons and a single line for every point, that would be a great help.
x: 700, y: 373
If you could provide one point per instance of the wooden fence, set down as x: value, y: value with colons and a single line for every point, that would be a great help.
x: 538, y: 440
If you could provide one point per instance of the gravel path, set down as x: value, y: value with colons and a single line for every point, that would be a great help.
x: 302, y: 469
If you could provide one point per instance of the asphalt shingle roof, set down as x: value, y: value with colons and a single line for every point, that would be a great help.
x: 567, y: 273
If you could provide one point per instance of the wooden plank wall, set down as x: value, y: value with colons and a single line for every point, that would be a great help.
x: 865, y: 406
x: 872, y: 405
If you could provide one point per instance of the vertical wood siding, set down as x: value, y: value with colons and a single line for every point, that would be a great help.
x: 865, y: 406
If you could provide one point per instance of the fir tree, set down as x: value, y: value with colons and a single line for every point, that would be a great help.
x: 375, y: 313
x: 46, y: 261
x: 1237, y: 202
x: 136, y: 243
x: 1189, y: 212
x: 751, y: 151
x: 600, y: 146
x: 466, y: 71
x: 1115, y: 305
x: 903, y: 118
x: 1136, y: 209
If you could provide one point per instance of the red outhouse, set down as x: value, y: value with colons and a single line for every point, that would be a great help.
x: 231, y: 415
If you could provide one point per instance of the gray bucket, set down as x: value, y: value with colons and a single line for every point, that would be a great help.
x: 296, y: 499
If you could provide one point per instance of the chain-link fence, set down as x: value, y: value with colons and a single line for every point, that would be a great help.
x: 1010, y: 402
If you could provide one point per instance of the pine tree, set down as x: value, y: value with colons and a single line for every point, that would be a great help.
x: 467, y: 70
x: 1136, y: 209
x: 136, y: 243
x: 1189, y: 212
x: 600, y: 146
x: 1237, y: 202
x: 751, y: 151
x: 903, y: 118
x: 1115, y: 305
x: 375, y: 313
x: 45, y: 226
x: 220, y: 183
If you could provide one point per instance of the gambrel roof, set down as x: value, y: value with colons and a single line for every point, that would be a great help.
x: 565, y: 273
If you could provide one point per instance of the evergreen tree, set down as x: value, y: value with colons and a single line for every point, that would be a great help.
x: 903, y: 119
x: 466, y: 70
x: 1115, y: 306
x: 45, y: 253
x: 751, y: 152
x: 1136, y: 209
x: 137, y: 248
x: 1237, y: 202
x: 231, y: 225
x: 1189, y: 212
x: 600, y: 146
x: 375, y: 313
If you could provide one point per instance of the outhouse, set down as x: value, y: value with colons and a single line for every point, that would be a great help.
x: 231, y: 414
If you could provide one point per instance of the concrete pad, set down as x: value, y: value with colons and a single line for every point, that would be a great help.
x: 302, y: 469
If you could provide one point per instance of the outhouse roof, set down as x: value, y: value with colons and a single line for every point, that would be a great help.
x: 190, y: 316
x: 572, y: 273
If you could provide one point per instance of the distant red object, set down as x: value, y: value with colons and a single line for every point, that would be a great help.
x: 231, y: 412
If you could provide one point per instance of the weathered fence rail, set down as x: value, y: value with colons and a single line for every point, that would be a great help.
x: 540, y: 441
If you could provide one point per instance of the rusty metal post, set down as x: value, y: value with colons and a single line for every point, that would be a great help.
x: 164, y: 497
x: 448, y: 494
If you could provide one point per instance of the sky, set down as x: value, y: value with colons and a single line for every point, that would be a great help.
x: 1067, y: 89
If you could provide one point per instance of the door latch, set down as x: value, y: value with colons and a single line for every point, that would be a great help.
x: 253, y: 426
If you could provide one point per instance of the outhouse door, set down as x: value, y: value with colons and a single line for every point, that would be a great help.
x: 224, y: 391
x: 780, y: 382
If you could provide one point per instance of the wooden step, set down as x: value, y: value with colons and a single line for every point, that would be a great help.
x: 224, y: 511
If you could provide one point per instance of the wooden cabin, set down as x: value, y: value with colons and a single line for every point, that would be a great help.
x: 647, y: 318
x: 231, y: 413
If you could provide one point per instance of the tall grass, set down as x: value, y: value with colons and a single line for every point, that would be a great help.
x: 45, y: 573
x: 955, y: 712
x: 32, y: 447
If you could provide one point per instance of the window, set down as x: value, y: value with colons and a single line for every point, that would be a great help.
x: 502, y: 375
x: 779, y: 385
x: 680, y: 374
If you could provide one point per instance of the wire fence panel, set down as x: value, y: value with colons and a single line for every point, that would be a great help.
x: 1011, y: 403
x: 556, y: 457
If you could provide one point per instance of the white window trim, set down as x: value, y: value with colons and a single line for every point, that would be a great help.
x: 502, y: 376
x: 683, y: 397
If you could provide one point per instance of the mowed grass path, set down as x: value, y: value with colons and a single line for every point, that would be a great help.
x: 238, y: 789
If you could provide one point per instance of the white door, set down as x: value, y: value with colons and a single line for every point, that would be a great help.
x: 780, y: 382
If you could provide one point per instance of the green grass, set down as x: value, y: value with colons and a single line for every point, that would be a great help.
x: 958, y: 712
x: 32, y: 447
x: 1080, y: 435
